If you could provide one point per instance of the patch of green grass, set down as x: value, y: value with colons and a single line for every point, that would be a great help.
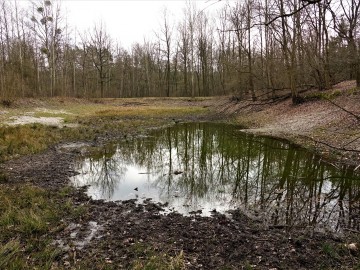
x: 25, y: 139
x: 324, y: 95
x: 353, y: 91
x: 25, y: 210
x: 28, y: 216
x: 148, y: 259
x: 331, y: 251
x: 65, y: 191
x: 9, y: 253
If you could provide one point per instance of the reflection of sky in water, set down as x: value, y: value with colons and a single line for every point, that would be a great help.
x: 224, y: 169
x: 141, y: 178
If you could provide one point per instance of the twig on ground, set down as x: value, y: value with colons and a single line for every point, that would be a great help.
x: 345, y: 110
x: 351, y: 141
x: 333, y: 147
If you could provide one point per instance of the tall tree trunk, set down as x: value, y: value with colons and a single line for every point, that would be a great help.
x: 251, y: 77
x: 285, y: 49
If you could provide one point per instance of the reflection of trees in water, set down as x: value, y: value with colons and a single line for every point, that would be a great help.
x: 285, y: 184
x: 103, y: 171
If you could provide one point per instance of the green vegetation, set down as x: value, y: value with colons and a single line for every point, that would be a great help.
x: 331, y: 95
x: 93, y: 120
x: 331, y: 251
x: 21, y: 140
x: 28, y: 216
x: 149, y: 259
x: 324, y: 95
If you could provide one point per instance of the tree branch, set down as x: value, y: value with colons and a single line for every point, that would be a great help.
x: 336, y: 105
x: 308, y: 3
x: 332, y: 146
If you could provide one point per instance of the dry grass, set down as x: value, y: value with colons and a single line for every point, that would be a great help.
x: 27, y: 139
x: 95, y: 118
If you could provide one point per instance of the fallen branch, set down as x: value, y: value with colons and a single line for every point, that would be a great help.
x: 351, y: 141
x: 278, y: 99
x: 357, y: 167
x: 333, y: 147
x: 336, y: 105
x: 351, y: 230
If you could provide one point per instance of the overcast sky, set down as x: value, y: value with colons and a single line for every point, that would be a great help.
x: 127, y: 21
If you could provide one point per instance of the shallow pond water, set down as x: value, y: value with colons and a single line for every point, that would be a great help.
x: 206, y: 167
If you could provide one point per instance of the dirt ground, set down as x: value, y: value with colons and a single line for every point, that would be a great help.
x: 127, y: 235
x: 329, y: 127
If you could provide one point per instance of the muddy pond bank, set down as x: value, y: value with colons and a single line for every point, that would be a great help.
x: 126, y: 235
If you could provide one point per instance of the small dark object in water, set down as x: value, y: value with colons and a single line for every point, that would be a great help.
x: 136, y: 189
x: 178, y: 172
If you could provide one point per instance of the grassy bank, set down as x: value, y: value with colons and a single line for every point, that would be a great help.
x: 83, y: 120
x: 29, y: 217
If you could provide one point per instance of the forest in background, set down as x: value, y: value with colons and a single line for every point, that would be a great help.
x: 248, y: 48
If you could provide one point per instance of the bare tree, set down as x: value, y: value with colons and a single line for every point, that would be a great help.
x: 288, y: 48
x: 191, y: 18
x: 249, y: 8
x: 99, y: 48
x: 47, y: 27
x: 4, y: 47
x: 166, y: 38
x: 203, y: 40
x: 284, y: 45
x: 346, y: 23
x: 184, y: 53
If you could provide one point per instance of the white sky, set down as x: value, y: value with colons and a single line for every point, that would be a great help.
x: 127, y: 21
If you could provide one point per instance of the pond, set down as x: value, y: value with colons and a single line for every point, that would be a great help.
x: 209, y: 167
